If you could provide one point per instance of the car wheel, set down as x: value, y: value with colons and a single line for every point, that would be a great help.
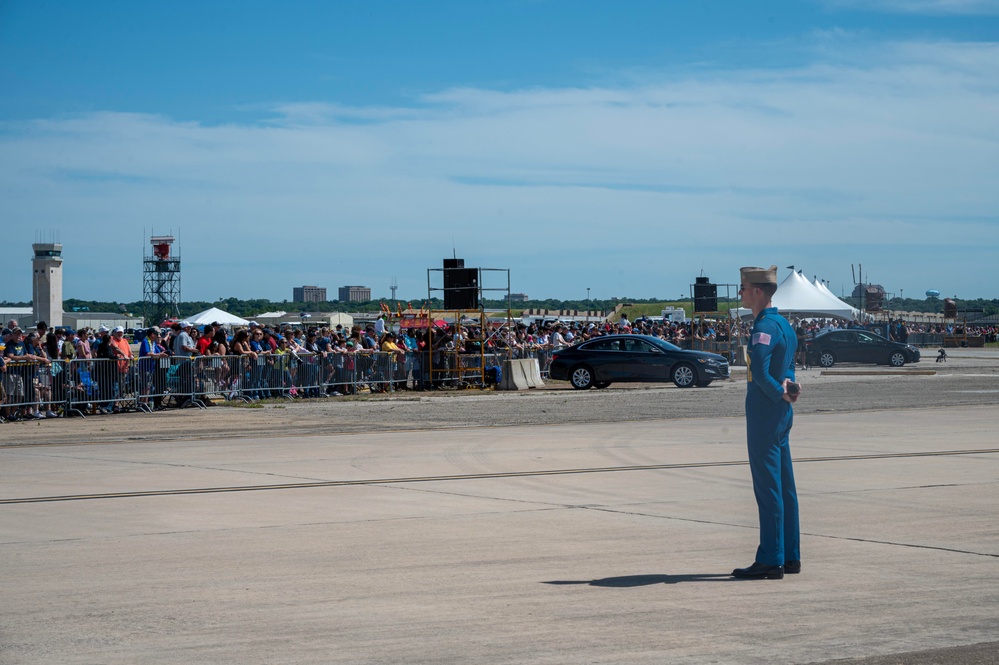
x: 600, y: 385
x: 827, y: 359
x: 581, y: 378
x: 897, y: 359
x: 684, y: 376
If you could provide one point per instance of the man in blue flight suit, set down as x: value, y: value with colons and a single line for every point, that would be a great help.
x: 770, y: 393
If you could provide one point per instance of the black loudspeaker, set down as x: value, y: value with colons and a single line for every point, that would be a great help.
x: 453, y: 263
x: 464, y: 299
x: 705, y: 295
x: 950, y: 309
x: 460, y: 278
x: 461, y: 288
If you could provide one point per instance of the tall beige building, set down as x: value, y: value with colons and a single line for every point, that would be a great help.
x: 46, y: 283
x: 308, y: 294
x: 355, y: 293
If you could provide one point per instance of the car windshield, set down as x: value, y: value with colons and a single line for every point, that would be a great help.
x: 663, y: 344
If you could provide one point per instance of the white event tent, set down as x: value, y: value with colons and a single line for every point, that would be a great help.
x: 216, y: 315
x: 796, y: 296
x: 825, y: 289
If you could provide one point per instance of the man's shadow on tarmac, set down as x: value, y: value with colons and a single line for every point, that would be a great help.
x: 646, y: 580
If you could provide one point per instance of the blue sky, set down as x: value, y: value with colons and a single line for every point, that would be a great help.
x: 618, y: 147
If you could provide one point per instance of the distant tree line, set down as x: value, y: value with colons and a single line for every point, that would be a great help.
x: 253, y: 307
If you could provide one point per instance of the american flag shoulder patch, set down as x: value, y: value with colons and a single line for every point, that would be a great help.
x: 761, y: 338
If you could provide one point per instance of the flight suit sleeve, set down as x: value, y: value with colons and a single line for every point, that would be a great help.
x: 764, y: 352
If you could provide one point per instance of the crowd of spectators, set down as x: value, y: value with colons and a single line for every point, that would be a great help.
x: 329, y: 360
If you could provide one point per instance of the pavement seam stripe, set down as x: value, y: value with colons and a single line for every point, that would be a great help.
x: 803, y: 533
x: 473, y: 476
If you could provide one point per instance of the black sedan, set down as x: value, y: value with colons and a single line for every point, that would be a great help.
x: 605, y: 360
x: 829, y: 347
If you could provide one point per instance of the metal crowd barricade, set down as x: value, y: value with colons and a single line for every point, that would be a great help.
x: 283, y: 374
x: 414, y: 368
x: 336, y: 373
x: 377, y: 370
x: 725, y: 348
x: 101, y: 385
x: 207, y: 377
x: 926, y: 339
x: 153, y: 377
x: 30, y: 388
x: 246, y: 377
x: 469, y: 369
x: 541, y: 354
x: 186, y: 380
x: 307, y: 372
x: 234, y: 376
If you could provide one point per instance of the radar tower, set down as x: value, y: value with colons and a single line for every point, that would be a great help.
x: 161, y: 281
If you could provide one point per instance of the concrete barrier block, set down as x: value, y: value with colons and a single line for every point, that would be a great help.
x: 520, y: 375
x: 534, y: 373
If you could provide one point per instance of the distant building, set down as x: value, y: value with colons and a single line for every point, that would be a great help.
x: 864, y: 289
x: 872, y: 296
x: 46, y: 283
x: 95, y: 320
x: 309, y: 294
x: 518, y: 297
x: 355, y: 293
x: 20, y: 314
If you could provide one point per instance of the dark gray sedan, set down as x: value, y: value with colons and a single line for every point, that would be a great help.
x: 605, y: 360
x: 829, y: 347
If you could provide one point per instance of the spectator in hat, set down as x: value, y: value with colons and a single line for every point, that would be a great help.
x: 558, y: 340
x: 396, y: 358
x: 105, y: 374
x: 67, y: 350
x: 152, y: 376
x: 183, y: 343
x: 124, y: 348
x: 17, y: 349
x: 184, y: 347
x: 413, y: 346
x: 54, y: 343
x: 123, y: 353
x: 40, y: 390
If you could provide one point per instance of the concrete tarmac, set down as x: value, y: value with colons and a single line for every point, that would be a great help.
x: 573, y: 543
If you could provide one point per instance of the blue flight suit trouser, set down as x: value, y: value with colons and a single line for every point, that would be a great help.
x: 768, y: 427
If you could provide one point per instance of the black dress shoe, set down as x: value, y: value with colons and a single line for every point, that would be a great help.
x: 792, y: 567
x: 759, y: 571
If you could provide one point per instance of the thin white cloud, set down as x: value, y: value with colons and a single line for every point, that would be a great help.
x: 876, y: 150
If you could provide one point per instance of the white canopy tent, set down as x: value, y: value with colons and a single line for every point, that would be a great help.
x: 216, y: 315
x: 796, y: 296
x: 825, y: 289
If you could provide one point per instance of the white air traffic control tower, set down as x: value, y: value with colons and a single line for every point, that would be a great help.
x: 46, y: 283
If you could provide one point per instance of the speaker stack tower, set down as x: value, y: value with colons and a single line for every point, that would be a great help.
x: 705, y: 295
x: 461, y: 285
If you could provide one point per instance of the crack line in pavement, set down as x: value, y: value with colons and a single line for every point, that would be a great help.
x: 471, y: 476
x: 815, y: 535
